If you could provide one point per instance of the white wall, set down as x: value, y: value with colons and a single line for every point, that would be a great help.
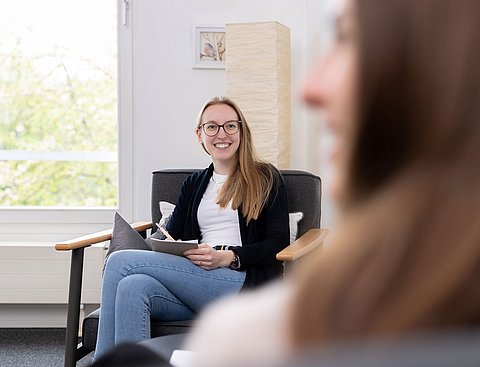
x: 168, y: 92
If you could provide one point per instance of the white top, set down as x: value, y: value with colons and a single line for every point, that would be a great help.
x: 218, y: 226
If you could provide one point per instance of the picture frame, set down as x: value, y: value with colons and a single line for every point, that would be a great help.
x: 209, y: 49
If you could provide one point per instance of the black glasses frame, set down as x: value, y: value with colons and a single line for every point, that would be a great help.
x: 220, y: 126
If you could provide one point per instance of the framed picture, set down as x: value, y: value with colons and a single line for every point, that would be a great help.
x: 209, y: 47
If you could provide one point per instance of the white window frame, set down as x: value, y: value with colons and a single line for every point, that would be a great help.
x: 19, y: 224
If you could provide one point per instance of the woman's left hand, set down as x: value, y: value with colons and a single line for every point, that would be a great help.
x: 208, y: 258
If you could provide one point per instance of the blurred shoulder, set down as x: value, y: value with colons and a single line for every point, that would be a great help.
x: 252, y: 326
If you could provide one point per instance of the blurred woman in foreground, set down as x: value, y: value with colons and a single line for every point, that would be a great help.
x: 401, y: 93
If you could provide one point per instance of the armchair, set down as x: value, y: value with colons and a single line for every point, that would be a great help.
x: 304, y: 195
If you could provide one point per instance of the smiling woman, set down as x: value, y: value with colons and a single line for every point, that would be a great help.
x: 219, y: 136
x: 237, y: 210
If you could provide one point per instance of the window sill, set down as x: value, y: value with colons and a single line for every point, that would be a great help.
x: 34, y: 225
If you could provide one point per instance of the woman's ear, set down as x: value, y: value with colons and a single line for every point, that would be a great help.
x: 200, y: 140
x: 199, y: 135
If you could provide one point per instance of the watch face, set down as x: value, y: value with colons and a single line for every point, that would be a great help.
x: 235, y: 264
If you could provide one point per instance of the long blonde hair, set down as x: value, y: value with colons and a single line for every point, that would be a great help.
x: 250, y: 182
x: 407, y: 254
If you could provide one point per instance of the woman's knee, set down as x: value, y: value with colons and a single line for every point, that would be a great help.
x: 114, y: 257
x: 136, y: 286
x: 118, y: 259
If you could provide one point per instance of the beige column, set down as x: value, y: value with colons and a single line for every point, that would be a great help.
x: 258, y: 79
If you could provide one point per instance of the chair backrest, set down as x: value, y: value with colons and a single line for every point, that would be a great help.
x: 304, y: 192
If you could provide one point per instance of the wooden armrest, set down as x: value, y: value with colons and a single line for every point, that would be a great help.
x: 303, y: 245
x: 96, y: 237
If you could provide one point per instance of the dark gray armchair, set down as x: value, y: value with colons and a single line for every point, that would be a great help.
x: 304, y: 195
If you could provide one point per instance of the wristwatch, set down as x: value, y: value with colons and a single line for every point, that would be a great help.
x: 235, y: 264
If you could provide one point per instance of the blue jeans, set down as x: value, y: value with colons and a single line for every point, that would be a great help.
x: 139, y: 284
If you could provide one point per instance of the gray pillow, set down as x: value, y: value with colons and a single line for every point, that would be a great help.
x: 124, y: 237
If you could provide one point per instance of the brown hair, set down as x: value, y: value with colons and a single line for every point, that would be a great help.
x: 251, y: 181
x: 407, y: 254
x: 419, y: 89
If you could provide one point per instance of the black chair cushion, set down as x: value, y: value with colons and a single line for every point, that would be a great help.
x: 158, y: 328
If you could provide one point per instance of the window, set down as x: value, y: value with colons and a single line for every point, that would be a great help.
x: 58, y: 111
x: 60, y: 131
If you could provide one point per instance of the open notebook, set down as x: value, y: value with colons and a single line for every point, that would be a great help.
x: 172, y: 247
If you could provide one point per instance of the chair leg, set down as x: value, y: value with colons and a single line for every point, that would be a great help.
x: 73, y: 311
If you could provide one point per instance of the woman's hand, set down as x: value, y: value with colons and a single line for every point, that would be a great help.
x: 208, y: 258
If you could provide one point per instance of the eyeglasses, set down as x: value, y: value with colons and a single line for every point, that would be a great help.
x: 212, y: 128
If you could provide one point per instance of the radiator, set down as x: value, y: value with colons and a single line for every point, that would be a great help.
x: 34, y: 281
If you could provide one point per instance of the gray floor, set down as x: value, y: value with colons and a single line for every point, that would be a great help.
x: 34, y: 348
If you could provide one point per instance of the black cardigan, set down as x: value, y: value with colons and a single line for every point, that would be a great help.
x: 262, y: 238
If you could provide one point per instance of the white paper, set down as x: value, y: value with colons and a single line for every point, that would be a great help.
x: 181, y: 358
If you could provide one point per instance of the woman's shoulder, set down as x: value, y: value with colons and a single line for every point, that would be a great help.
x: 260, y: 333
x: 197, y: 176
x: 268, y: 169
x: 271, y: 173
